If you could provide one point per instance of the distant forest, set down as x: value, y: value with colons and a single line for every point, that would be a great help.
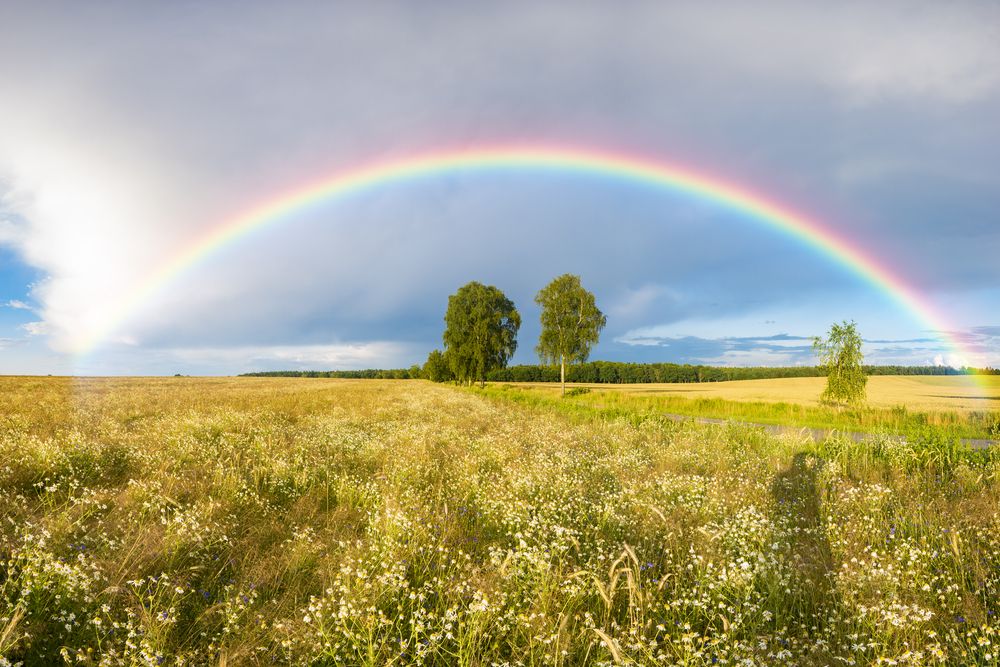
x: 616, y: 372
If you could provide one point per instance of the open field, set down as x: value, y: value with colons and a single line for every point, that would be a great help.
x: 309, y: 521
x: 958, y: 405
x: 919, y: 393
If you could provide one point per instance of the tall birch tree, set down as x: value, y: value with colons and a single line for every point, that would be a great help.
x: 571, y: 323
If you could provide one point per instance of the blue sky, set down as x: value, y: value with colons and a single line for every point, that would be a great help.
x: 128, y: 130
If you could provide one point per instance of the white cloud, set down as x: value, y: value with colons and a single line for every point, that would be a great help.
x: 40, y: 328
x: 951, y: 361
x: 349, y: 355
x: 10, y: 234
x: 17, y: 304
x: 237, y: 359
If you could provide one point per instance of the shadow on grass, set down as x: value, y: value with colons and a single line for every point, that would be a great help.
x: 798, y: 499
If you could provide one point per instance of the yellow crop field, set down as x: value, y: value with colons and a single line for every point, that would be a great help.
x: 275, y: 521
x: 920, y: 393
x: 959, y: 407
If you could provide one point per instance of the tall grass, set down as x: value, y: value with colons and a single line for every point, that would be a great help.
x: 286, y: 521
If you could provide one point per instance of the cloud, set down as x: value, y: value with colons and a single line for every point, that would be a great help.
x: 785, y: 349
x: 231, y: 360
x: 349, y: 355
x: 17, y: 304
x: 868, y: 53
x: 950, y: 361
x: 779, y: 349
x: 942, y: 56
x: 115, y: 159
x: 986, y: 332
x: 10, y: 234
x: 777, y: 340
x: 981, y: 340
x: 39, y: 328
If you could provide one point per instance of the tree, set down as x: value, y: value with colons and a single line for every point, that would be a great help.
x: 840, y: 355
x: 436, y: 368
x: 571, y: 323
x: 480, y: 331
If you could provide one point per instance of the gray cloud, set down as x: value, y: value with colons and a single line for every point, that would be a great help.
x: 138, y: 128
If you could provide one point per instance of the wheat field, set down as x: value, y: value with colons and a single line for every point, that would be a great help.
x: 267, y: 521
x: 930, y: 393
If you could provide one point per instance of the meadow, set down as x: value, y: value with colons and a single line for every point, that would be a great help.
x: 178, y: 521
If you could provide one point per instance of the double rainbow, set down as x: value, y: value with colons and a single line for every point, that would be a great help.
x: 536, y: 158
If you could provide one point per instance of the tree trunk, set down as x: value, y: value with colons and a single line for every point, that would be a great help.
x: 562, y: 373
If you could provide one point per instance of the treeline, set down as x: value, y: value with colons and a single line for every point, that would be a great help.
x: 616, y: 372
x: 612, y: 372
x: 412, y: 373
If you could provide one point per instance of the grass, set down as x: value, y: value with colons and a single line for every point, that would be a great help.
x: 960, y: 412
x: 320, y: 522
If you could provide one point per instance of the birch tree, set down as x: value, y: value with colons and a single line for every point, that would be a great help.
x: 571, y: 323
x: 840, y: 355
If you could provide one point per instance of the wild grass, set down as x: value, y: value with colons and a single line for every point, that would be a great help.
x: 320, y: 522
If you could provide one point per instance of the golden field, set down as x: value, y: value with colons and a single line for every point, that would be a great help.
x: 269, y: 521
x: 953, y: 407
x: 930, y: 393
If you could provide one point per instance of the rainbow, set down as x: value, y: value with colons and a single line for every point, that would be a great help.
x: 518, y: 158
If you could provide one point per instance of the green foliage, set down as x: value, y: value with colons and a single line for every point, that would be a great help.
x: 571, y: 322
x: 840, y: 354
x: 480, y: 331
x: 436, y: 368
x: 577, y: 391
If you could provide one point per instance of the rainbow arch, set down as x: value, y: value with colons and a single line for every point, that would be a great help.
x: 519, y: 158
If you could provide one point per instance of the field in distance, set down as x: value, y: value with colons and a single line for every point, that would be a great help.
x: 316, y: 521
x: 922, y: 393
x: 952, y: 406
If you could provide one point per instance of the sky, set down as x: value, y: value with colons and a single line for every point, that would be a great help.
x: 130, y: 130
